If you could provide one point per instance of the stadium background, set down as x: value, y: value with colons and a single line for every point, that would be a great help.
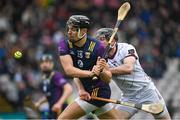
x: 36, y: 27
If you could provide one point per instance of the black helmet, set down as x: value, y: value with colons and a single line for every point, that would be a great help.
x: 79, y: 21
x: 46, y: 57
x: 105, y: 32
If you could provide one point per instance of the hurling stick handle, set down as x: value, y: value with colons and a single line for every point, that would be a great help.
x: 139, y: 106
x: 122, y: 12
x: 104, y: 99
x: 151, y: 108
x: 115, y: 101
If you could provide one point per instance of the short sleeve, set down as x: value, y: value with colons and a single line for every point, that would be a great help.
x: 63, y: 48
x: 130, y: 51
x: 59, y: 80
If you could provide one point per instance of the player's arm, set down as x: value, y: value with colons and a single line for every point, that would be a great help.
x: 72, y: 71
x: 126, y: 68
x: 82, y: 92
x: 105, y: 73
x: 41, y: 101
x: 78, y: 84
x: 67, y: 91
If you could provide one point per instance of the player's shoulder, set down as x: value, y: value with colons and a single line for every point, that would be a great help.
x: 57, y: 74
x: 92, y: 39
x: 125, y: 45
x: 95, y: 42
x: 63, y: 42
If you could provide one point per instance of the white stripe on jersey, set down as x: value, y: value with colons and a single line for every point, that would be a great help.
x: 129, y: 84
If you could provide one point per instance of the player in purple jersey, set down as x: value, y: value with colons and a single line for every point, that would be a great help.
x: 78, y: 56
x: 54, y: 86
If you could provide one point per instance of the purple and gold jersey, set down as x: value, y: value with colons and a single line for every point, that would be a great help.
x: 53, y: 87
x: 85, y: 58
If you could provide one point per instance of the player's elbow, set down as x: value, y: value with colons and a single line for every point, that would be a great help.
x: 68, y: 71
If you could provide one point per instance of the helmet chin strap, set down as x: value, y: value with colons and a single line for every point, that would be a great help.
x: 80, y: 37
x: 79, y: 31
x: 111, y: 53
x: 112, y: 46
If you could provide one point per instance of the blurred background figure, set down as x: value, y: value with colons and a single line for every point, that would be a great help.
x: 36, y: 26
x: 55, y: 88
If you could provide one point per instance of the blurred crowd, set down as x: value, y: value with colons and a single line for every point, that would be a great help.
x: 35, y: 27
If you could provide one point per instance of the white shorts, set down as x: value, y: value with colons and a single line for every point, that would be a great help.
x: 146, y: 95
x: 87, y: 107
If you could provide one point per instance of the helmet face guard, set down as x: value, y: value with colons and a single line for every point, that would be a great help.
x: 46, y: 57
x: 46, y: 68
x: 79, y: 21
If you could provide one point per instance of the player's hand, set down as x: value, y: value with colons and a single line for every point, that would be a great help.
x: 84, y: 95
x: 37, y: 104
x: 57, y: 107
x: 101, y: 62
x: 96, y: 70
